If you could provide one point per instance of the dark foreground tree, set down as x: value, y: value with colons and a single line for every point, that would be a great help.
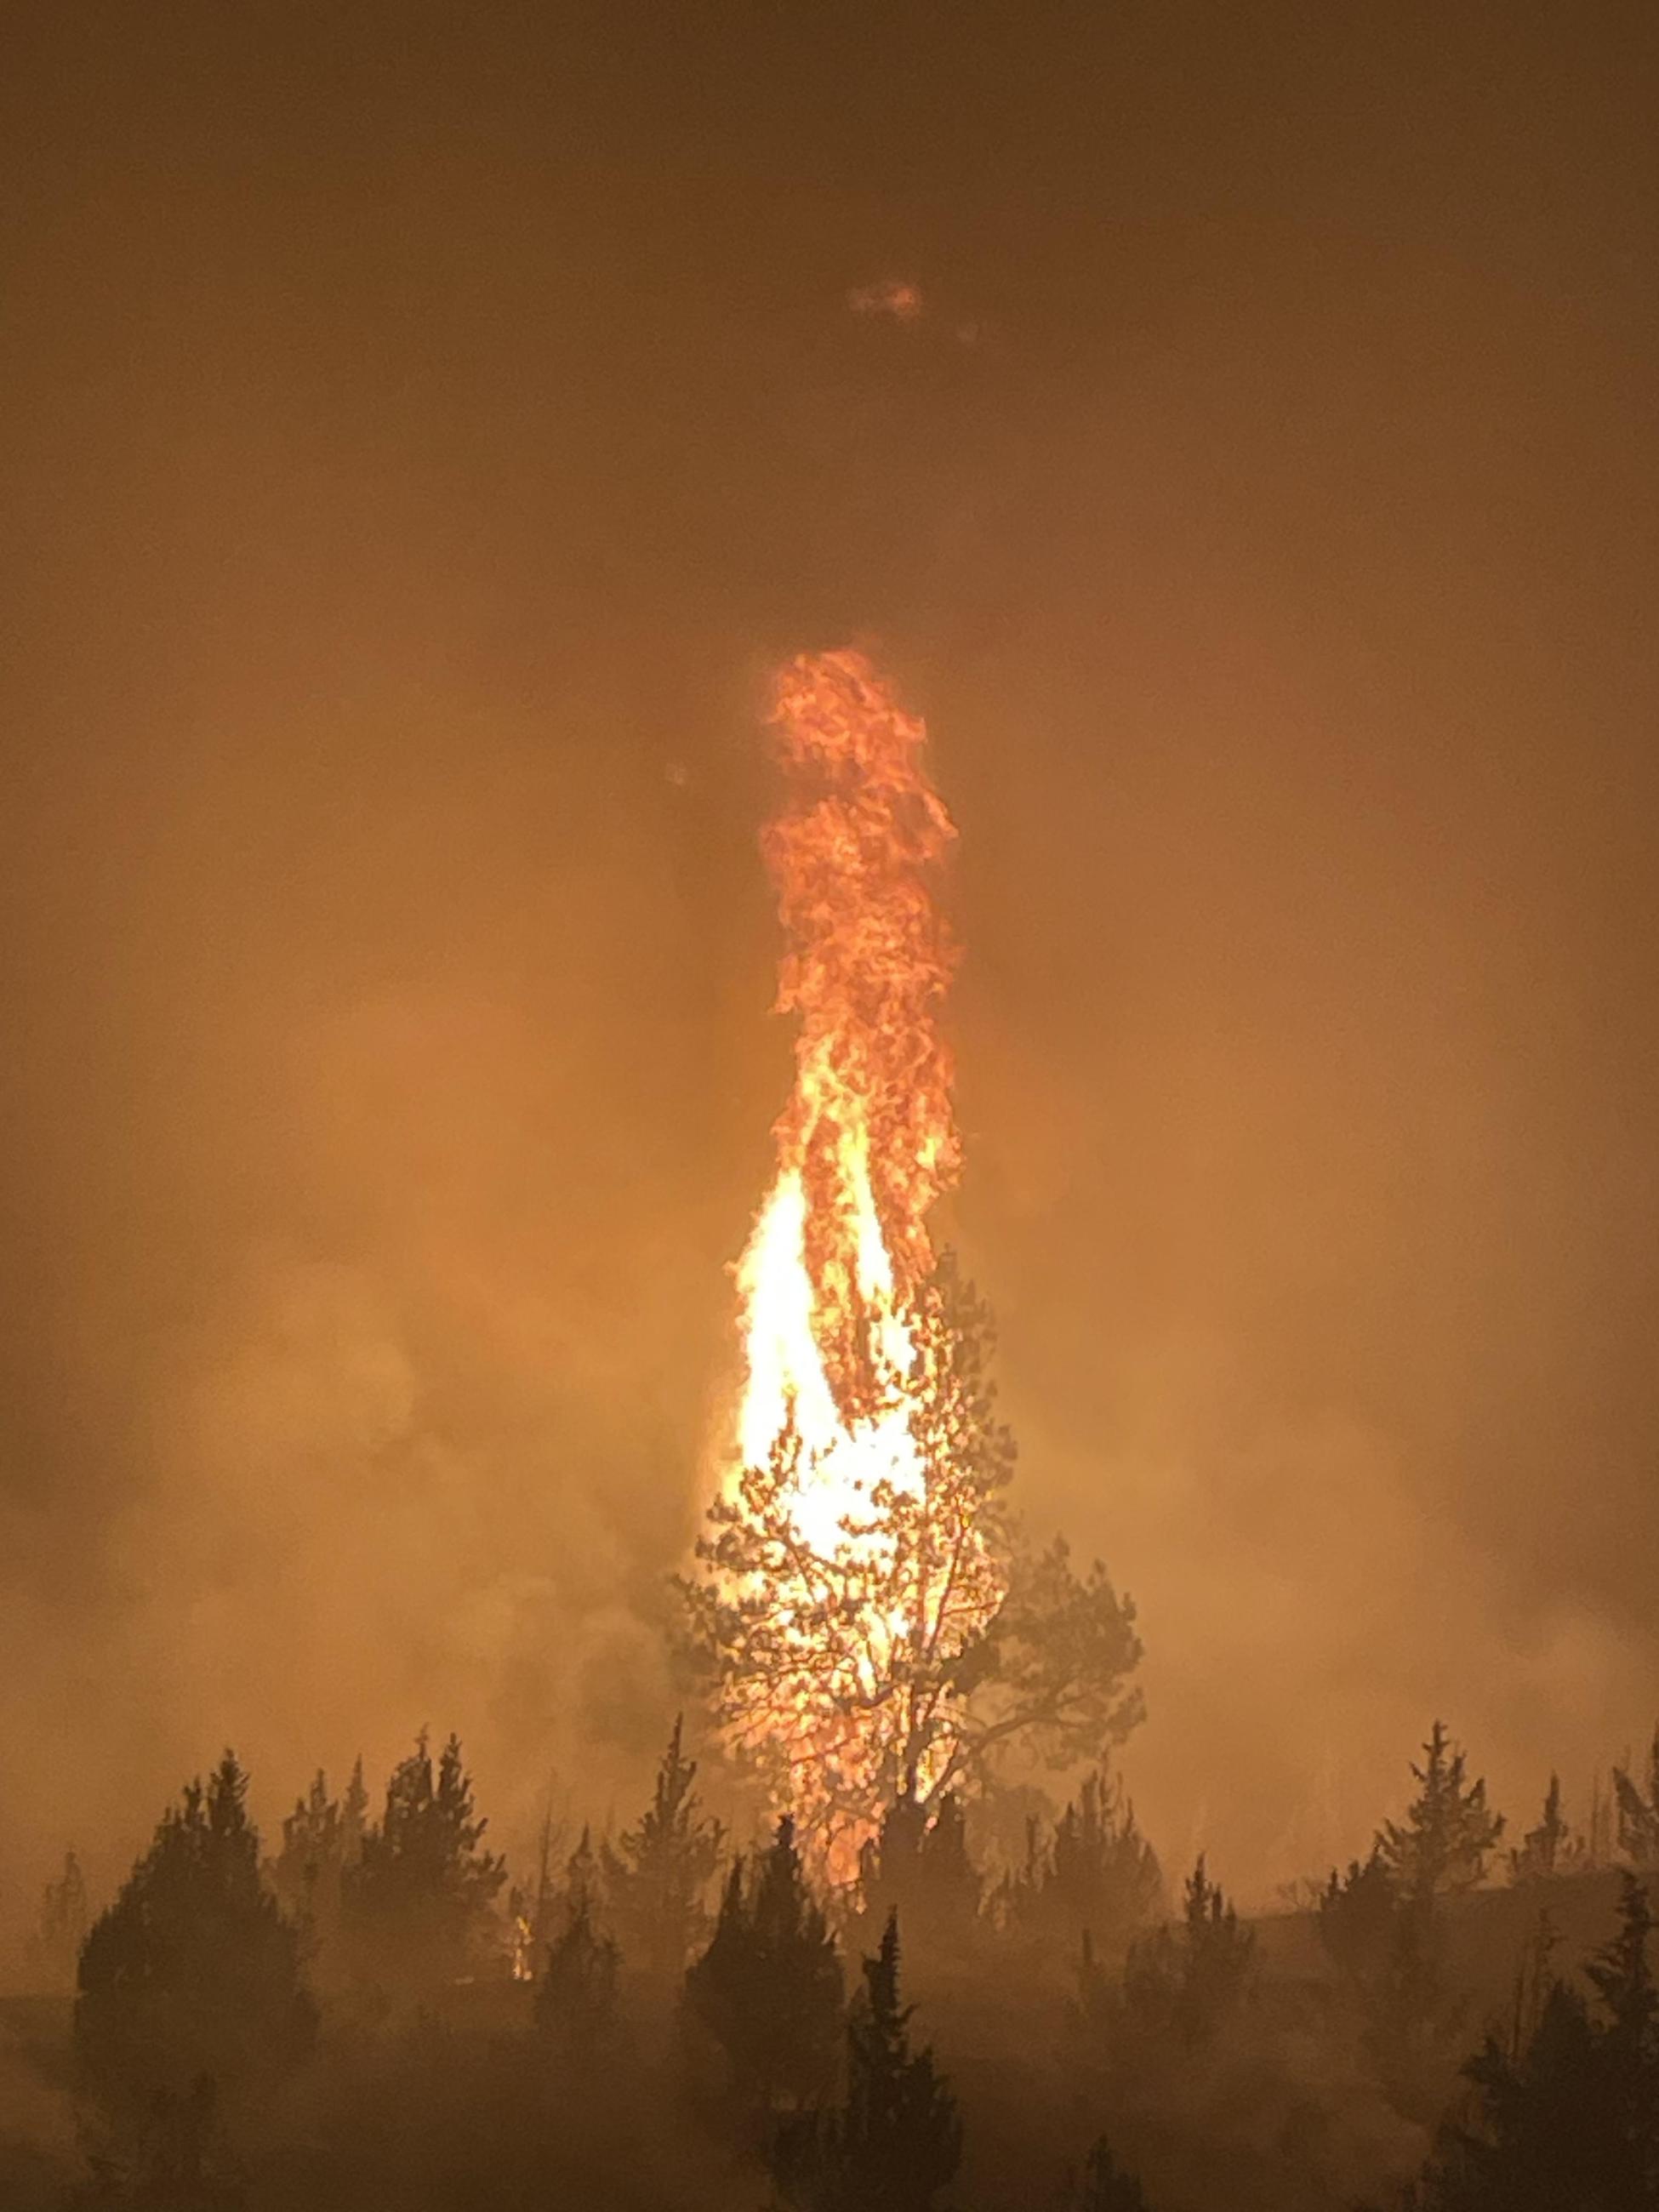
x: 896, y: 2140
x: 1383, y: 1924
x: 193, y: 1970
x: 767, y: 1991
x: 919, y: 1866
x: 1566, y: 2116
x: 417, y: 1908
x: 174, y: 2158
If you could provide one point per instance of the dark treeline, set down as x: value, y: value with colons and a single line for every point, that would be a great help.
x: 368, y: 2011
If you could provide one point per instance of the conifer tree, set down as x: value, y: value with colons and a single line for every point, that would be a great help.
x: 322, y: 1840
x: 1442, y: 1846
x: 1639, y: 1814
x: 896, y: 2140
x: 767, y: 1990
x: 1097, y: 1875
x: 64, y: 1919
x: 417, y: 1907
x: 1384, y: 1925
x: 657, y: 1878
x: 1546, y: 1850
x: 1192, y: 1983
x: 1357, y: 1915
x: 1567, y: 2119
x: 576, y: 2007
x: 919, y: 1866
x: 1104, y: 2186
x: 193, y: 1969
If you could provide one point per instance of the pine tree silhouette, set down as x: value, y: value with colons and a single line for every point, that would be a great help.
x: 1639, y: 1814
x: 64, y: 1919
x: 1442, y: 1847
x: 1191, y: 1984
x: 767, y: 1990
x: 657, y: 1878
x: 1567, y: 2119
x: 322, y: 1840
x: 1546, y: 1850
x: 919, y: 1866
x: 416, y: 1909
x: 1104, y: 2186
x: 193, y: 1970
x: 576, y: 2007
x: 1097, y: 1875
x: 896, y: 2141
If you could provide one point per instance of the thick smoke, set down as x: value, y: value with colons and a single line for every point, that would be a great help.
x: 404, y: 502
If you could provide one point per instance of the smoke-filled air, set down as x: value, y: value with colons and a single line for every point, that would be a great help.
x: 828, y: 1166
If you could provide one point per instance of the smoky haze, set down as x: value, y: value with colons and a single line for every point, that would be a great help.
x: 422, y: 432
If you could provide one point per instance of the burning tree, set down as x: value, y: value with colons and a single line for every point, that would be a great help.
x: 872, y: 1626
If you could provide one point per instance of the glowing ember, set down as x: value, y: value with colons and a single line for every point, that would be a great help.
x: 867, y: 1563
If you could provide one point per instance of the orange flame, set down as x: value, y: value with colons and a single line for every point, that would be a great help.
x: 868, y: 1143
x: 868, y: 1140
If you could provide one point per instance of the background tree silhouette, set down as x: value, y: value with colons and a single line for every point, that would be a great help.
x: 1104, y: 2186
x: 322, y: 1844
x: 1638, y: 1812
x: 1095, y: 1874
x: 1188, y: 1982
x: 656, y: 1878
x: 1449, y: 1834
x: 66, y: 1916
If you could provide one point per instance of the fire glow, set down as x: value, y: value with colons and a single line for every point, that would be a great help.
x: 834, y: 1281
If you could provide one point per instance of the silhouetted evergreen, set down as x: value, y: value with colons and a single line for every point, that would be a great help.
x: 1565, y: 2119
x: 1384, y: 1925
x: 1357, y: 1919
x: 768, y: 1988
x: 896, y: 2140
x: 576, y: 2007
x: 1442, y: 1847
x: 416, y: 1909
x: 1189, y: 1982
x: 1097, y: 1875
x: 1104, y: 2186
x: 1546, y: 1850
x: 322, y: 1841
x: 62, y: 1929
x: 919, y: 1866
x: 1639, y: 1814
x: 193, y: 1970
x: 656, y: 1879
